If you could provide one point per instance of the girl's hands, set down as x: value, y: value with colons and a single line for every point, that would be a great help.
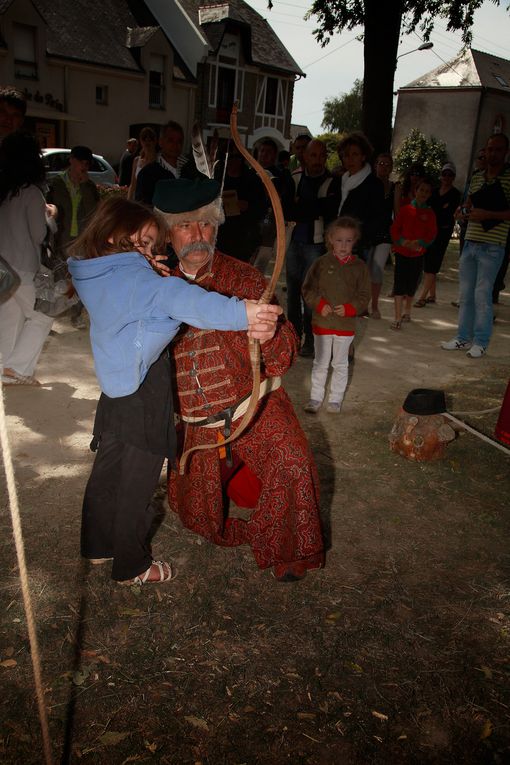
x: 262, y: 320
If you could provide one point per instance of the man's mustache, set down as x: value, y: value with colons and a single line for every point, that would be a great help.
x: 194, y: 247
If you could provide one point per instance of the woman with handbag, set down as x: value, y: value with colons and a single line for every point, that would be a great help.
x: 23, y: 330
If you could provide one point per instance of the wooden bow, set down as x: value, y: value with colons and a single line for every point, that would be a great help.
x: 253, y: 345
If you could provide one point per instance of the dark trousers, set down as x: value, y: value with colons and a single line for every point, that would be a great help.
x: 298, y: 260
x: 117, y: 514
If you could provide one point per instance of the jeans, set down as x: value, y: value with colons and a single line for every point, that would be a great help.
x: 299, y: 258
x: 479, y: 265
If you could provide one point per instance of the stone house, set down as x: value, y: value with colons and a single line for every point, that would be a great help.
x: 461, y: 102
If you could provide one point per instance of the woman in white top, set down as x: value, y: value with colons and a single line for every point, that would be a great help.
x: 22, y: 231
x: 149, y: 153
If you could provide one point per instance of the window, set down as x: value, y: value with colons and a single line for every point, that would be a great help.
x: 271, y: 95
x: 102, y: 95
x: 156, y: 82
x: 25, y: 64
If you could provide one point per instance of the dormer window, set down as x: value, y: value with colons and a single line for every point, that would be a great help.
x: 156, y: 82
x: 25, y: 61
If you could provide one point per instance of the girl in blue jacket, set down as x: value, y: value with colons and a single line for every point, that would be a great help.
x: 134, y: 314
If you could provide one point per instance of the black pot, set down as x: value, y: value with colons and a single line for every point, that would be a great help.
x: 423, y: 401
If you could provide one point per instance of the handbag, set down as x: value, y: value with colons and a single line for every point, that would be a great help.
x: 52, y: 286
x: 9, y: 280
x: 52, y: 290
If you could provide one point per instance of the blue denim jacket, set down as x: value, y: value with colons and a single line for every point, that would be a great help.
x: 134, y: 313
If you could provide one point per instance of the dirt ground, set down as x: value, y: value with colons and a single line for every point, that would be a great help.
x: 397, y: 652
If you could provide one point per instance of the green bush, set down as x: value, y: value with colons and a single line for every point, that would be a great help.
x: 331, y: 140
x: 429, y: 152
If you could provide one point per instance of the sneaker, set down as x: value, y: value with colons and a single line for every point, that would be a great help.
x: 455, y: 345
x: 476, y: 352
x: 313, y: 406
x: 334, y: 407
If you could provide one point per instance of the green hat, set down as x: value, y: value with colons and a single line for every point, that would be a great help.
x: 181, y: 195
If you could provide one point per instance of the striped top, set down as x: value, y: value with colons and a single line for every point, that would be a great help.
x: 498, y: 234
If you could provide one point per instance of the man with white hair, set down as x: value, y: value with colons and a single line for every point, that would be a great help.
x: 269, y: 468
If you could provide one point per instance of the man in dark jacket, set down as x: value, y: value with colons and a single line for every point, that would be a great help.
x: 76, y: 197
x: 316, y: 202
x: 126, y: 162
x: 169, y: 164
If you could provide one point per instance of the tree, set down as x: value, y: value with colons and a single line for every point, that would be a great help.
x: 383, y: 23
x: 344, y: 113
x: 331, y: 140
x: 418, y: 149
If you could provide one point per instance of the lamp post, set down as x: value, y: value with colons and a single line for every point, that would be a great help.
x: 423, y: 46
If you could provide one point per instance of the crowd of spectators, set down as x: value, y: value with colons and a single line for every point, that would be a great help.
x: 390, y: 213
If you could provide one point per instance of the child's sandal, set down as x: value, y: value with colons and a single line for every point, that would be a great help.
x: 396, y: 324
x: 406, y: 317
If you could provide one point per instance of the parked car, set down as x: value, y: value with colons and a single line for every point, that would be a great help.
x: 101, y: 172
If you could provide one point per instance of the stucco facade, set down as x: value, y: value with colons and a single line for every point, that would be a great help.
x: 461, y: 103
x: 72, y: 101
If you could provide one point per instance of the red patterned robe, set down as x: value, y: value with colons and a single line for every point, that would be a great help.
x: 213, y: 372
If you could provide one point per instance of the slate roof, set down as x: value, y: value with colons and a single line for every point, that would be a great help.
x: 92, y: 31
x: 101, y: 32
x: 267, y: 51
x: 138, y: 37
x: 470, y: 68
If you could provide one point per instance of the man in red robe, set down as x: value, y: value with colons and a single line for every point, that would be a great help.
x: 269, y: 468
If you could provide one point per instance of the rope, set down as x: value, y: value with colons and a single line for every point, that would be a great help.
x: 20, y: 552
x: 478, y: 413
x: 476, y: 433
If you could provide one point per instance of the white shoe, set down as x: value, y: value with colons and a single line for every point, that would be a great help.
x: 313, y: 406
x: 455, y: 345
x: 476, y: 352
x: 334, y: 407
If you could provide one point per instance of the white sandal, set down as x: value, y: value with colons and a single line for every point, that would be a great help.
x: 17, y: 379
x: 165, y: 573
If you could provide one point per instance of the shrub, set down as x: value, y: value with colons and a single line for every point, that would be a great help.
x: 429, y: 152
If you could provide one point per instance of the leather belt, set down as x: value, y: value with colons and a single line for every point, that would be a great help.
x: 226, y: 416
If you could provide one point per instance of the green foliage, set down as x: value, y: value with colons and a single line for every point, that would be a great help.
x: 429, y: 152
x: 336, y: 15
x: 331, y: 140
x: 344, y: 113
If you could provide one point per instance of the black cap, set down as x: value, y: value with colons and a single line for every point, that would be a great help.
x: 82, y: 153
x: 423, y: 401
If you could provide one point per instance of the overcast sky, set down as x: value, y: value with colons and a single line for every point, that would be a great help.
x: 331, y: 71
